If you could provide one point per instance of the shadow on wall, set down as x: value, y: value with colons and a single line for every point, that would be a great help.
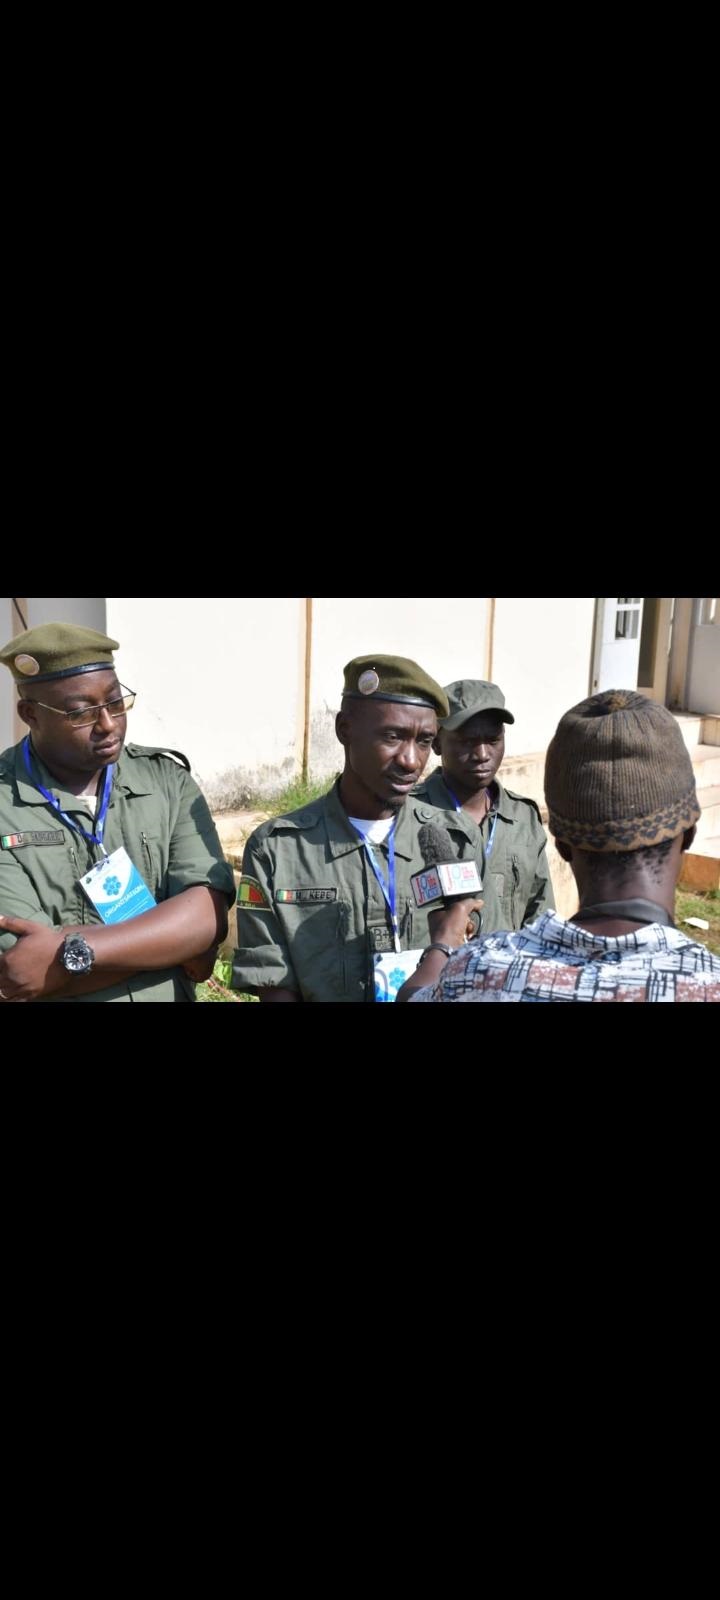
x: 325, y: 751
x: 240, y: 788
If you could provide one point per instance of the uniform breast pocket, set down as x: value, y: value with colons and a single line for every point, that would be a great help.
x: 520, y: 889
x: 316, y: 941
x: 406, y: 921
x: 150, y: 862
x: 498, y: 879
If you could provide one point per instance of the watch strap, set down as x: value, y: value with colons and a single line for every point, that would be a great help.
x: 447, y: 949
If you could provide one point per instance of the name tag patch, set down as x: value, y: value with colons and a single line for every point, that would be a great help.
x: 18, y: 841
x: 304, y: 897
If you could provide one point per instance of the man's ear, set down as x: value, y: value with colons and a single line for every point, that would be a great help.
x: 436, y: 745
x: 342, y: 728
x: 27, y: 713
x: 564, y: 850
x: 687, y: 838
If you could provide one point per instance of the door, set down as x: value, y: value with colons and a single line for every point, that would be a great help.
x: 617, y: 644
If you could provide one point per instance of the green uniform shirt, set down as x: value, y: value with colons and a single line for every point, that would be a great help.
x: 324, y: 914
x: 517, y: 866
x: 156, y: 811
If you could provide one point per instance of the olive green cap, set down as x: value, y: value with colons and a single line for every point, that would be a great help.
x: 393, y: 678
x: 467, y: 697
x: 57, y: 650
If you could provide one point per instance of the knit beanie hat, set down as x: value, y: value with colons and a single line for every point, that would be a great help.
x: 618, y: 775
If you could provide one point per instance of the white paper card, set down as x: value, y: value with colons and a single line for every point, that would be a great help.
x: 392, y: 969
x: 116, y: 888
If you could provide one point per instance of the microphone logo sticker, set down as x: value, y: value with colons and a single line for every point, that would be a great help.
x: 447, y: 878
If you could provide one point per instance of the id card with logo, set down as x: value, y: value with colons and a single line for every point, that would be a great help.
x: 392, y: 970
x: 116, y: 888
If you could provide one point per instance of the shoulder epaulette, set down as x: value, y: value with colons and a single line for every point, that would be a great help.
x: 135, y: 750
x: 306, y: 817
x: 526, y: 800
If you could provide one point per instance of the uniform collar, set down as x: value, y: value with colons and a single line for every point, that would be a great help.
x: 343, y: 838
x: 131, y: 775
x: 125, y: 779
x: 28, y: 791
x: 502, y: 805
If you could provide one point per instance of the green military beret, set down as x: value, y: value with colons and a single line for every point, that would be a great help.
x: 57, y: 650
x: 393, y: 678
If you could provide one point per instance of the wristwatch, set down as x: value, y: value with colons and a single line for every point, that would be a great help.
x: 447, y: 949
x: 76, y: 954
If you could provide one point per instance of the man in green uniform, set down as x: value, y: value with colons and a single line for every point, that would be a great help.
x: 471, y: 744
x: 146, y: 920
x: 326, y: 909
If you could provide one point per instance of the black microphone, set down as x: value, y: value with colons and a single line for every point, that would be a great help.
x: 444, y: 879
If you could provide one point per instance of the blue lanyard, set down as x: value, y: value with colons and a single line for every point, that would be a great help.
x: 92, y: 838
x: 493, y: 824
x: 389, y: 889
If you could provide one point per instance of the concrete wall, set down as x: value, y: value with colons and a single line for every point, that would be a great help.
x: 224, y: 679
x: 447, y: 637
x: 704, y: 678
x: 542, y: 660
x: 221, y: 679
x: 88, y: 613
x: 653, y: 670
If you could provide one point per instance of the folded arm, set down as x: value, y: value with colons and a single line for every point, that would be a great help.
x: 180, y: 930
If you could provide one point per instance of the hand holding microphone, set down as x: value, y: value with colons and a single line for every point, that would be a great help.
x: 448, y: 886
x: 456, y: 923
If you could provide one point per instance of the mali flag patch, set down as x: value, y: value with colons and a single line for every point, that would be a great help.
x: 251, y: 895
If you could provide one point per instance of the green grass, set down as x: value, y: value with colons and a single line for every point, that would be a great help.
x: 217, y: 988
x: 700, y: 903
x: 297, y: 793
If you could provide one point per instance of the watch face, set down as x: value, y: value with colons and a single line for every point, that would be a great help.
x: 77, y: 956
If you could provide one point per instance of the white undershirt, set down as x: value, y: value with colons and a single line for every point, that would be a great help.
x: 374, y: 831
x: 91, y: 795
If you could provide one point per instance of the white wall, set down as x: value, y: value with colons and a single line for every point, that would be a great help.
x: 223, y: 679
x: 87, y: 613
x: 446, y: 637
x: 541, y: 660
x: 218, y: 679
x: 704, y: 677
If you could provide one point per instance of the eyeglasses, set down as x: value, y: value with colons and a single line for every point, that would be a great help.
x: 86, y: 718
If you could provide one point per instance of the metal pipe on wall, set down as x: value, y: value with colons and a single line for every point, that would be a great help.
x: 490, y: 642
x: 308, y: 668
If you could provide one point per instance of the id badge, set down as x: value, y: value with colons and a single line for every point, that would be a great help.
x: 392, y: 970
x: 116, y: 888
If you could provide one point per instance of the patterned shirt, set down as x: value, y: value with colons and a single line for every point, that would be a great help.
x: 555, y: 960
